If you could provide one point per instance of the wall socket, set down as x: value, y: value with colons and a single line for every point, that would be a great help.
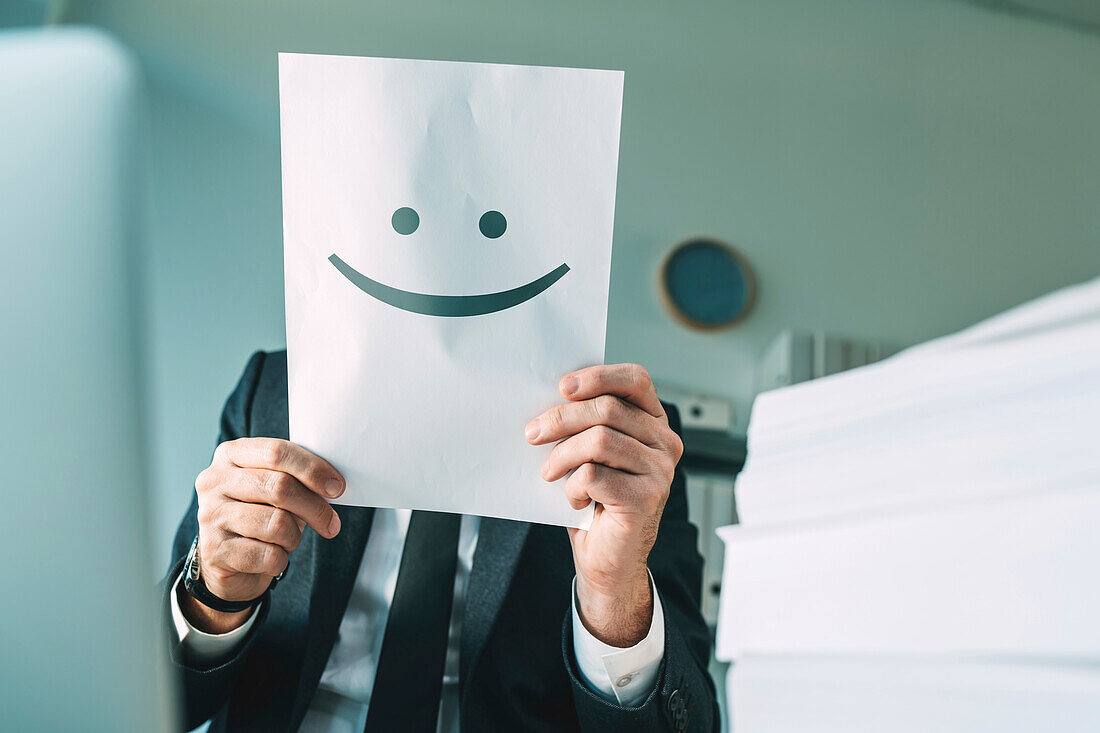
x: 699, y: 411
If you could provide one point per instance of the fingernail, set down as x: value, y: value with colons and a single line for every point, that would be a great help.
x: 532, y: 430
x: 544, y: 469
x: 334, y: 487
x: 334, y: 525
x: 569, y: 386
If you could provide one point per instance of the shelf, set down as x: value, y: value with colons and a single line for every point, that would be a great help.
x: 713, y: 450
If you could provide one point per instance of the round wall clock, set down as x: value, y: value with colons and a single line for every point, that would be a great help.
x: 707, y: 284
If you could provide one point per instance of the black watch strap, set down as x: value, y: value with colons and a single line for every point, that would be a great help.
x: 196, y: 588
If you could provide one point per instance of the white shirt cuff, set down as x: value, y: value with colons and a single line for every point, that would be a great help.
x: 626, y: 676
x: 203, y: 647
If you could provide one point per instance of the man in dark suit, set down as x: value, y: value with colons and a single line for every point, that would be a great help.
x: 387, y: 620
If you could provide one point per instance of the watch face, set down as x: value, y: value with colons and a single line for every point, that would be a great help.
x: 191, y: 567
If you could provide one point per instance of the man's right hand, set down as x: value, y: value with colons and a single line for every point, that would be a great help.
x: 255, y: 499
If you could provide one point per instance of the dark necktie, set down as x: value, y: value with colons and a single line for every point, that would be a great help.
x: 409, y: 679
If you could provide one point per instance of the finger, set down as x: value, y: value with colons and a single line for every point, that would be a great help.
x: 246, y: 555
x: 314, y: 472
x: 600, y: 444
x: 629, y: 381
x: 261, y: 486
x: 571, y: 418
x: 575, y: 491
x: 595, y: 482
x: 261, y: 522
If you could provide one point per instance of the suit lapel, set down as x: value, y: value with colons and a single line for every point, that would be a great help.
x: 499, y: 546
x: 332, y: 564
x: 335, y: 566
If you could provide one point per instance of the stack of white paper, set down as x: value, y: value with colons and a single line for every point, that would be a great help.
x: 890, y: 695
x: 1015, y: 577
x: 1007, y: 407
x: 941, y: 505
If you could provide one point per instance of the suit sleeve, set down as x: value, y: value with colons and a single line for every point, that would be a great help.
x: 684, y: 697
x: 205, y: 688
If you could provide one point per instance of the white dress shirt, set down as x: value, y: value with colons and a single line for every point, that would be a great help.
x: 625, y: 676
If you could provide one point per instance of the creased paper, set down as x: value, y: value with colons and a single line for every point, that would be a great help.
x: 447, y: 238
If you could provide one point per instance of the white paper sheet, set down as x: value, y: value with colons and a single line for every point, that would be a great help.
x: 421, y: 410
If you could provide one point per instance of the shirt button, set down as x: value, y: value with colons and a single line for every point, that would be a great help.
x: 624, y: 680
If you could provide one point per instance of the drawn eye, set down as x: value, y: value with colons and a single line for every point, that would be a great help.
x: 405, y: 220
x: 492, y: 224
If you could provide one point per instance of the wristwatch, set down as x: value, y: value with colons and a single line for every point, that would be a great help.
x: 196, y: 587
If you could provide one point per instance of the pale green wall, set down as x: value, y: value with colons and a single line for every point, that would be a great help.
x: 894, y: 170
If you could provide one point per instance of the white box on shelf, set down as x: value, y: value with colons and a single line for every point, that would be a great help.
x: 699, y: 411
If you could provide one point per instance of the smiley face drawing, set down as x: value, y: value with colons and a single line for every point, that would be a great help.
x: 493, y: 224
x: 447, y: 241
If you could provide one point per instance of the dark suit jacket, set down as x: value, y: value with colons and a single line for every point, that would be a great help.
x: 517, y: 668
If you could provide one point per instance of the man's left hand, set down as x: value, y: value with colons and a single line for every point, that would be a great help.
x: 615, y: 438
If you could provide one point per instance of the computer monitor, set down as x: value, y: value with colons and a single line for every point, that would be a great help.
x: 79, y: 636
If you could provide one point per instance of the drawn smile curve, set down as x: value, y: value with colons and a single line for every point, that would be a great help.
x: 448, y: 305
